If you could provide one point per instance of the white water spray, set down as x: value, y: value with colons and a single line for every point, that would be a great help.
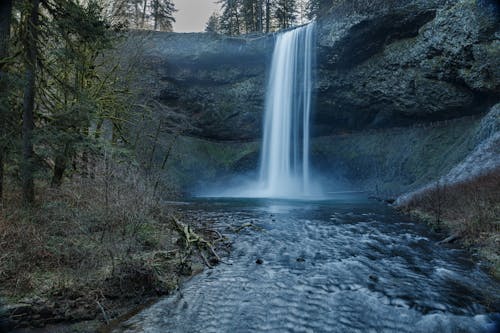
x: 284, y: 170
x: 284, y: 163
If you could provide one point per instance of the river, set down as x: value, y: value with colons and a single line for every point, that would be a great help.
x: 342, y: 265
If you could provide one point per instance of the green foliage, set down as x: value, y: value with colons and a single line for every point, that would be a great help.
x: 317, y: 7
x: 141, y: 14
x: 249, y: 16
x: 163, y: 14
x: 213, y: 24
x: 286, y: 13
x: 253, y: 15
x: 231, y: 22
x: 81, y: 94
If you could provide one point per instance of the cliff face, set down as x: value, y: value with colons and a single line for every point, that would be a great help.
x: 421, y: 62
x: 216, y: 83
x: 393, y: 87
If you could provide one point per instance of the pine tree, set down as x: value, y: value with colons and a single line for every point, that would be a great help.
x: 80, y: 92
x: 31, y: 60
x: 213, y: 24
x: 5, y: 21
x: 66, y: 90
x: 303, y: 11
x: 249, y: 11
x: 269, y: 8
x: 163, y: 14
x: 260, y: 15
x: 316, y: 7
x: 140, y: 14
x: 253, y: 14
x: 69, y: 102
x: 286, y: 13
x: 230, y: 22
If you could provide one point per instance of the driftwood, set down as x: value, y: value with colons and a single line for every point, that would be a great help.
x: 450, y: 239
x: 193, y: 238
x: 105, y: 316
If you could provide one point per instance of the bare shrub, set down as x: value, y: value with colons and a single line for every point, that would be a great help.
x: 470, y: 208
x: 89, y: 229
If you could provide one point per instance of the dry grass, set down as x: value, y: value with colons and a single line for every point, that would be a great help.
x: 470, y: 210
x: 97, y: 238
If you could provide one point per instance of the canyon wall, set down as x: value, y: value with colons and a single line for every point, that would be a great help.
x: 400, y: 94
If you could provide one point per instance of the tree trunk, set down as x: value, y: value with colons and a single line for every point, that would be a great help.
x: 143, y: 21
x: 29, y: 104
x: 260, y: 25
x: 155, y: 13
x: 5, y: 19
x: 268, y: 15
x: 137, y: 14
x: 59, y: 168
x: 237, y: 16
x: 1, y: 177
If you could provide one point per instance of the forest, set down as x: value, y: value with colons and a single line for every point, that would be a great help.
x: 295, y: 161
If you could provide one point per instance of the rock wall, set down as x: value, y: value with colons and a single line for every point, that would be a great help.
x: 215, y: 83
x: 400, y: 92
x: 421, y: 62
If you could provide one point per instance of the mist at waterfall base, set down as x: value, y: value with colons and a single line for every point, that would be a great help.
x: 285, y: 170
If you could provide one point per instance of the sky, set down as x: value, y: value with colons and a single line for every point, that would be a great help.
x: 193, y: 15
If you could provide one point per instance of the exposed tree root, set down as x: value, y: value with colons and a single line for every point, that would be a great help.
x: 191, y: 238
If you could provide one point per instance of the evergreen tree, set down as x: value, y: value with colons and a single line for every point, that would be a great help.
x: 231, y: 23
x: 286, y: 13
x: 316, y: 7
x: 5, y: 22
x: 140, y: 14
x: 68, y: 87
x: 213, y: 24
x: 73, y: 89
x: 269, y: 8
x: 30, y: 63
x: 251, y: 11
x: 162, y: 12
x: 303, y: 11
x: 260, y: 15
x: 245, y: 16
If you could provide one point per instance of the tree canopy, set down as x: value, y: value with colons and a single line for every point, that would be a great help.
x: 250, y: 16
x: 58, y: 87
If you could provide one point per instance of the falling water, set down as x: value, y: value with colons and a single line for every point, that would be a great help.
x: 284, y: 164
x: 284, y: 170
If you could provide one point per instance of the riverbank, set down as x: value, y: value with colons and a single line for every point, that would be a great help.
x: 336, y: 265
x: 95, y: 250
x: 469, y: 211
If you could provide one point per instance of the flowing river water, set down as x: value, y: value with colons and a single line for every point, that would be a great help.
x: 342, y: 265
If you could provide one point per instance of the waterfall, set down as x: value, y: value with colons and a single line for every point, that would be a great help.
x: 284, y: 162
x: 284, y: 169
